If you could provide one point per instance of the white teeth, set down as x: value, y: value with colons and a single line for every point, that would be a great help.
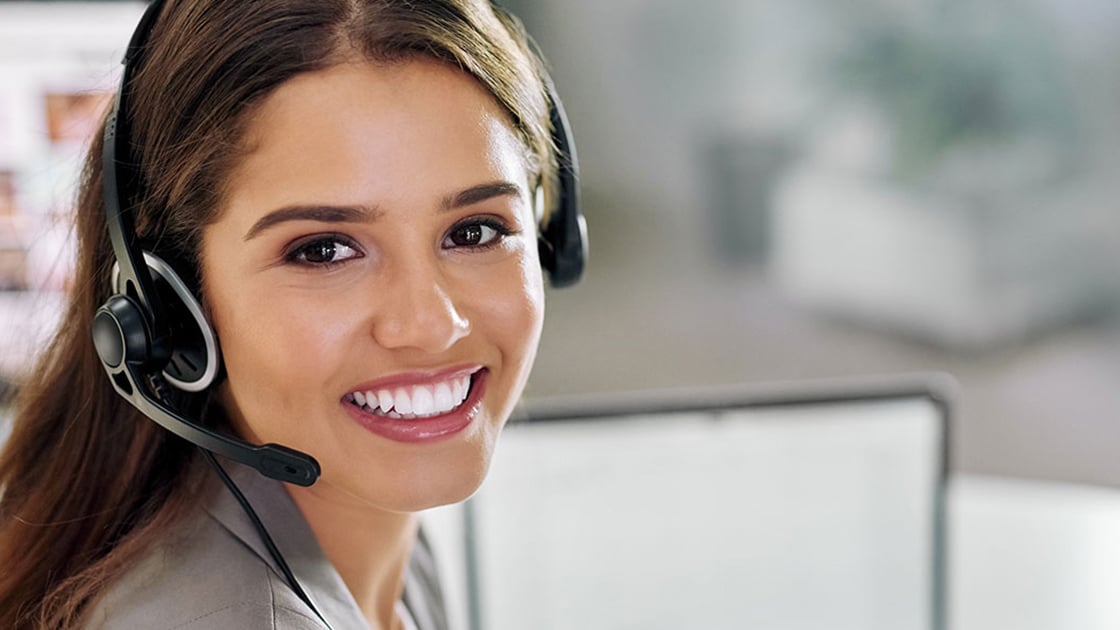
x: 416, y: 401
x: 385, y: 399
x: 402, y: 403
x: 443, y: 401
x: 423, y: 403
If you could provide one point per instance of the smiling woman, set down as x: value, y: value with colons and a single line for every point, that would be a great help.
x: 396, y: 268
x: 344, y: 206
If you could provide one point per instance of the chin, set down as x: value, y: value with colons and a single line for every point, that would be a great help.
x: 425, y: 496
x: 421, y: 485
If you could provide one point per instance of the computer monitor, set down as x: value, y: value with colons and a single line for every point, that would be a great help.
x: 803, y: 508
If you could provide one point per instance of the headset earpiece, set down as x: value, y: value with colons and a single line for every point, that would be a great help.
x: 120, y: 334
x: 562, y: 242
x: 194, y: 358
x: 563, y: 239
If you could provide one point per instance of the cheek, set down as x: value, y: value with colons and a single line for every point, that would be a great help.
x: 276, y: 348
x: 504, y: 300
x: 532, y: 311
x: 514, y: 314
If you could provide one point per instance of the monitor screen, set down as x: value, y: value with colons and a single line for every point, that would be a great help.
x: 801, y: 511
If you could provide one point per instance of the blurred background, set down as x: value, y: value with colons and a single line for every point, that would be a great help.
x: 776, y: 191
x: 805, y: 188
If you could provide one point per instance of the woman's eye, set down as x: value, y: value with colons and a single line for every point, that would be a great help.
x: 475, y: 234
x: 323, y: 251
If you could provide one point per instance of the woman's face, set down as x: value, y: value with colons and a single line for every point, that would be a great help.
x: 374, y: 281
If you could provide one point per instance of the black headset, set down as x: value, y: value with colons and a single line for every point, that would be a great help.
x: 153, y: 334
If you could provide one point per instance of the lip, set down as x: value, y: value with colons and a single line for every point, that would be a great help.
x: 424, y: 430
x: 417, y: 378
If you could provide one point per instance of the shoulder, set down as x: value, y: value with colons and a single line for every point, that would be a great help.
x: 201, y: 576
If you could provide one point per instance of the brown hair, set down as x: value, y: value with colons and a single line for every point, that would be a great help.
x: 87, y: 484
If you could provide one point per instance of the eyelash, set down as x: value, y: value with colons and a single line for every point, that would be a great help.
x: 500, y: 228
x: 301, y: 248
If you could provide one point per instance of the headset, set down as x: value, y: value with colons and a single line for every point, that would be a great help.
x: 152, y: 333
x: 152, y: 336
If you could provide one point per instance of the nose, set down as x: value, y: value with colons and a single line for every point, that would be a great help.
x: 417, y: 311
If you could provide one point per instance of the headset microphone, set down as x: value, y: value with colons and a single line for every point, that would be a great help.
x: 125, y: 344
x: 274, y: 460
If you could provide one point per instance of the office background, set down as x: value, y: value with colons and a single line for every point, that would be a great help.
x: 788, y: 190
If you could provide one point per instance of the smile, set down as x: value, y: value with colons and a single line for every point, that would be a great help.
x: 415, y: 401
x: 420, y: 409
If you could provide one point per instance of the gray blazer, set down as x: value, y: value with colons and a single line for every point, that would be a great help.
x: 214, y: 572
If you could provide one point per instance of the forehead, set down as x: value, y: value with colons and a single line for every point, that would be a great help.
x: 365, y: 133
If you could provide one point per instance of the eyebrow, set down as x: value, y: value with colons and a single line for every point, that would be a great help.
x: 364, y: 214
x: 478, y: 194
x: 325, y: 214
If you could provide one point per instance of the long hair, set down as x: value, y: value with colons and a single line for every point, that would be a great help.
x: 87, y: 484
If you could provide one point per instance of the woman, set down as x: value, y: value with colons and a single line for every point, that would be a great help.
x: 352, y: 189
